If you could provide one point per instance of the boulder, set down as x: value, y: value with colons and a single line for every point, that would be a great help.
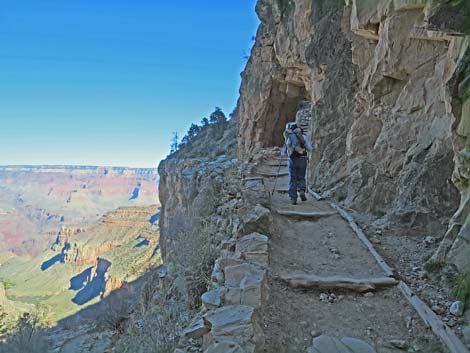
x: 235, y: 324
x: 214, y: 298
x: 254, y: 191
x: 217, y: 275
x: 228, y: 259
x: 246, y: 285
x: 257, y: 219
x: 196, y: 328
x: 253, y: 248
x: 457, y: 308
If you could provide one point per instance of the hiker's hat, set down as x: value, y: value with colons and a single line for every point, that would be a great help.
x: 291, y: 126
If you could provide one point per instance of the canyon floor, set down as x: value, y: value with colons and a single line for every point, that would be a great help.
x: 326, y: 245
x: 70, y: 234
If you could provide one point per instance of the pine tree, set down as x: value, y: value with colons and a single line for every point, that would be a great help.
x: 174, y: 142
x: 217, y: 116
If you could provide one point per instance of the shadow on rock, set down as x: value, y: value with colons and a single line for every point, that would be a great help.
x: 96, y: 286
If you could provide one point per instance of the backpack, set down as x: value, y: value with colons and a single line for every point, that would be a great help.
x: 296, y: 147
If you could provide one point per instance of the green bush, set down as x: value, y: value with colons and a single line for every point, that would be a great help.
x: 379, y: 213
x: 462, y: 287
x: 432, y: 266
x: 8, y: 283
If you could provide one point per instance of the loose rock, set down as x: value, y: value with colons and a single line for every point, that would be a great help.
x: 457, y: 308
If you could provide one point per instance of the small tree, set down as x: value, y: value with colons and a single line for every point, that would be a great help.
x: 174, y: 143
x: 217, y: 116
x: 204, y: 122
x: 192, y: 132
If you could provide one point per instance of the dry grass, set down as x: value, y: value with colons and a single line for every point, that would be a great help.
x: 115, y: 314
x: 197, y: 252
x: 194, y: 245
x: 156, y: 327
x: 462, y: 287
x: 432, y: 266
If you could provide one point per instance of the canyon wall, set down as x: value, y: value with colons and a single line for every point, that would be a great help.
x: 382, y: 88
x: 188, y: 184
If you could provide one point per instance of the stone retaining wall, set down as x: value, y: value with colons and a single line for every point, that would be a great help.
x: 230, y: 319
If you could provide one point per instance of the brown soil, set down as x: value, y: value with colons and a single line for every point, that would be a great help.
x: 328, y: 246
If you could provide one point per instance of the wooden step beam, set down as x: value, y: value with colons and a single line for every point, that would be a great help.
x: 250, y: 178
x: 362, y: 237
x: 444, y: 332
x: 282, y: 191
x: 283, y: 164
x: 277, y: 159
x: 273, y: 175
x: 440, y: 329
x: 306, y: 214
x: 317, y: 196
x: 360, y: 285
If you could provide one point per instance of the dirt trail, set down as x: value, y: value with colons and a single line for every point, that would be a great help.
x: 328, y: 246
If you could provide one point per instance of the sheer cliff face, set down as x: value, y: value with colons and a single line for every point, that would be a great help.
x: 188, y: 184
x: 382, y: 81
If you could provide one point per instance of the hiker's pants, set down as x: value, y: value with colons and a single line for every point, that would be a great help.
x: 297, y: 168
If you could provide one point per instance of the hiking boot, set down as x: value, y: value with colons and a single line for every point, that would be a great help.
x: 302, y: 196
x: 293, y: 201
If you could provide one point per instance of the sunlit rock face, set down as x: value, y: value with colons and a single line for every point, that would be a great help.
x: 386, y: 85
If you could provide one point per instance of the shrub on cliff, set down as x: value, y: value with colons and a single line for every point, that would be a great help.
x: 197, y: 252
x: 157, y: 322
x: 115, y: 314
x: 27, y: 336
x: 462, y: 287
x: 215, y: 136
x: 194, y: 242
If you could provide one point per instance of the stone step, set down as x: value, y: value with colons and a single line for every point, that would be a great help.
x: 327, y: 344
x: 277, y: 159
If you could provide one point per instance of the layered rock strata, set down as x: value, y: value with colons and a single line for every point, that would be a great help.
x: 386, y: 118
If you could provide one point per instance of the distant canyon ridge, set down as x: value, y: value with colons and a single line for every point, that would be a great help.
x: 69, y: 235
x: 36, y: 201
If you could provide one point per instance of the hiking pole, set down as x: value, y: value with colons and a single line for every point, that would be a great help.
x: 308, y: 172
x: 278, y: 170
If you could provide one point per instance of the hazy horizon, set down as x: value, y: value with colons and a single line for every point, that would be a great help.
x: 72, y: 165
x: 106, y: 84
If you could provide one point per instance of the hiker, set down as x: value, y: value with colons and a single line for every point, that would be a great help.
x: 296, y: 146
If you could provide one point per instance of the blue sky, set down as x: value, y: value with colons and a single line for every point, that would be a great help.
x: 106, y: 82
